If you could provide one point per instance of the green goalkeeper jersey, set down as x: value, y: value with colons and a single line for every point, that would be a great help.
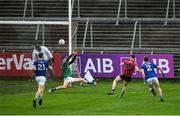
x: 66, y: 69
x: 66, y: 65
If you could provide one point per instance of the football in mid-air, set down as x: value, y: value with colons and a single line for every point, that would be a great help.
x: 61, y: 42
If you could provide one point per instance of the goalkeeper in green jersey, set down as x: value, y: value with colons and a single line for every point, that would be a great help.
x: 68, y: 79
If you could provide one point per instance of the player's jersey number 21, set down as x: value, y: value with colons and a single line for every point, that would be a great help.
x: 41, y: 67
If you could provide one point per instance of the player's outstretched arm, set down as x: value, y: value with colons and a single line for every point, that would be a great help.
x: 73, y: 59
x: 74, y: 54
x: 48, y: 53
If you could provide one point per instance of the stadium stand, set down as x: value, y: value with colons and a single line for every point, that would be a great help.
x: 99, y: 17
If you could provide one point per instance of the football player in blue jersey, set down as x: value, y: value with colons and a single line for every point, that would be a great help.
x: 47, y: 55
x: 149, y: 75
x: 39, y: 67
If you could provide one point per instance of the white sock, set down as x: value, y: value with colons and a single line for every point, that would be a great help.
x: 36, y: 97
x: 160, y: 93
x: 41, y: 96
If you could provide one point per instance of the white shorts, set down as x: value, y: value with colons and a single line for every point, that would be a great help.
x: 152, y: 80
x: 41, y: 80
x: 70, y: 79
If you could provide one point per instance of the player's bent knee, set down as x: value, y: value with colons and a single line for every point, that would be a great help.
x: 117, y: 79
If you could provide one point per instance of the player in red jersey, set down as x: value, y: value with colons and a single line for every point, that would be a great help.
x: 129, y: 67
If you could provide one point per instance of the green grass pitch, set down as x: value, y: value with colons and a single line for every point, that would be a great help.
x: 16, y: 98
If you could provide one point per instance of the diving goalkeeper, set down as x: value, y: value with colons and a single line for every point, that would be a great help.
x: 68, y: 79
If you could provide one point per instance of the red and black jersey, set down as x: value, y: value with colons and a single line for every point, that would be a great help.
x: 129, y: 67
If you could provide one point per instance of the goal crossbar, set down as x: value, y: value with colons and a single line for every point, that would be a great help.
x: 36, y: 22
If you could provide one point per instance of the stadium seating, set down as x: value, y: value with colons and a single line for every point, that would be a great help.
x: 154, y: 34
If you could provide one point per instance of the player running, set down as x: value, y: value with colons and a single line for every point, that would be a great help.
x: 68, y: 79
x: 149, y: 74
x: 129, y: 67
x: 39, y: 67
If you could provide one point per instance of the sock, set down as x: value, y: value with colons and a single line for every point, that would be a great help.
x: 91, y: 83
x: 161, y: 97
x: 112, y: 90
x: 160, y: 93
x: 53, y: 89
x: 35, y: 98
x: 122, y: 93
x: 41, y: 96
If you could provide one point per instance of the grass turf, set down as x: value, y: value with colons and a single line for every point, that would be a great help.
x: 16, y: 98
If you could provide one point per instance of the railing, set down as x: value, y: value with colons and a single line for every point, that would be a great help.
x: 167, y: 10
x: 32, y: 8
x: 25, y: 9
x: 133, y: 39
x: 119, y: 9
x: 85, y: 33
x: 175, y: 50
x: 37, y: 33
x: 91, y: 20
x: 137, y: 23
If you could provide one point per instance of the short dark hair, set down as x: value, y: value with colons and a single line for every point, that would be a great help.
x: 146, y: 58
x: 37, y: 47
x: 133, y: 56
x: 40, y: 55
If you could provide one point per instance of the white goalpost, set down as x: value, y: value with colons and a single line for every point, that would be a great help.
x: 69, y: 23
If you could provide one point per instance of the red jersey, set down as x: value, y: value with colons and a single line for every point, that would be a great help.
x: 129, y: 67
